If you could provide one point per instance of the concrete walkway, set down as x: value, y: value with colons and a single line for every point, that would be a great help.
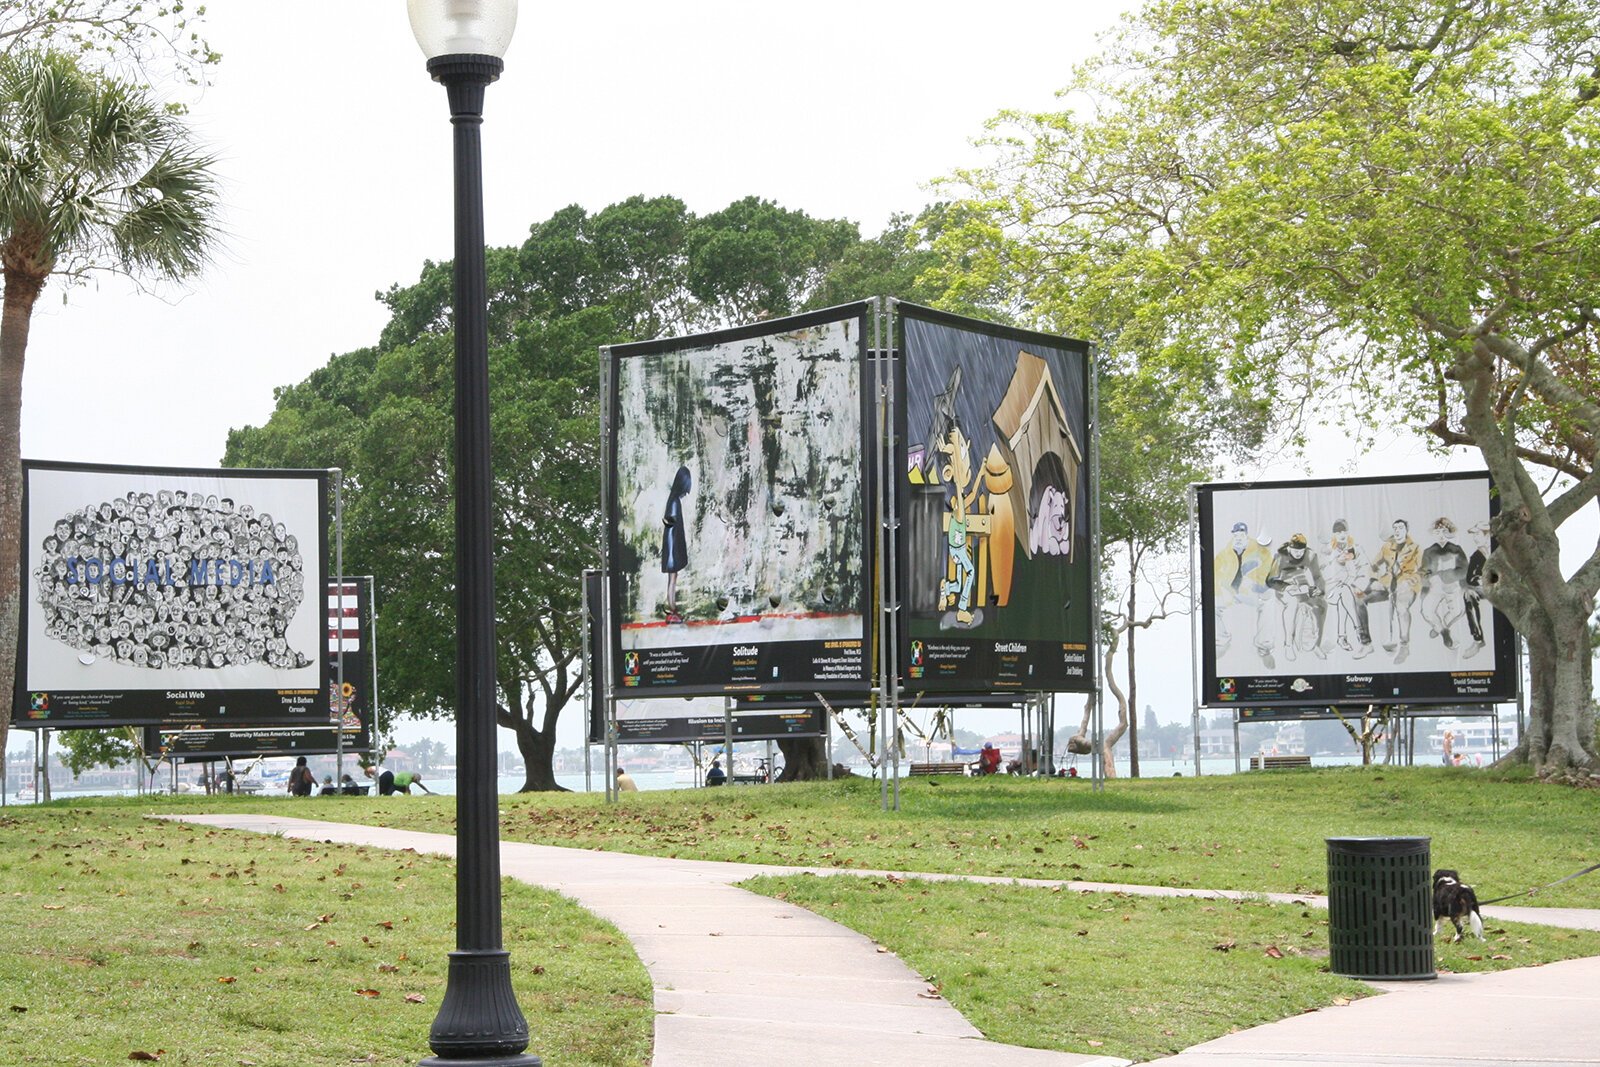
x: 739, y: 978
x: 782, y: 985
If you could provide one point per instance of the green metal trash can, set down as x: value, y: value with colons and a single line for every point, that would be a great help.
x: 1380, y: 907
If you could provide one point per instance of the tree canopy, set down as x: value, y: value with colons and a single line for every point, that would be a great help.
x: 1390, y: 206
x: 637, y: 269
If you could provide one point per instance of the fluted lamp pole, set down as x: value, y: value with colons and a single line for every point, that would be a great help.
x: 479, y: 1022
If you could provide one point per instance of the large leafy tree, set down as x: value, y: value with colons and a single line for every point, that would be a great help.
x: 636, y: 269
x: 95, y: 174
x: 1393, y: 203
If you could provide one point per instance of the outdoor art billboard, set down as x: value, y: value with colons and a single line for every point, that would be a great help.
x: 996, y: 559
x: 351, y: 697
x: 349, y: 703
x: 172, y: 596
x: 1350, y: 592
x: 677, y: 720
x: 738, y: 510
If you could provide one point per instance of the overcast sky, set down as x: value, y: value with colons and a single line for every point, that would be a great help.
x: 334, y: 148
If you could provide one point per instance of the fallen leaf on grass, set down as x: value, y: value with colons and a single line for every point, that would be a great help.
x: 1224, y: 946
x: 415, y: 998
x: 18, y: 1008
x: 1474, y: 957
x: 1274, y: 952
x: 387, y: 925
x: 387, y: 968
x: 139, y: 1054
x: 53, y: 907
x: 1340, y: 1002
x: 227, y: 979
x: 368, y: 993
x: 1499, y: 956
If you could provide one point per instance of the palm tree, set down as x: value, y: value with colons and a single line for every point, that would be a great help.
x: 95, y: 175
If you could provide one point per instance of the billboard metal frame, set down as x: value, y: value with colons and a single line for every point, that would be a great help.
x: 152, y: 705
x: 1025, y: 665
x: 1430, y: 688
x: 713, y: 668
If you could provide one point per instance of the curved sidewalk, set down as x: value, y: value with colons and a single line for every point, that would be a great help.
x: 780, y: 984
x: 739, y: 978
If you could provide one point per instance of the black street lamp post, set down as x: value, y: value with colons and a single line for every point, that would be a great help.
x: 479, y: 1022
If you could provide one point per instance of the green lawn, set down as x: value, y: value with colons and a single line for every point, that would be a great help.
x: 1262, y: 832
x: 126, y: 935
x: 1138, y: 977
x: 1120, y: 975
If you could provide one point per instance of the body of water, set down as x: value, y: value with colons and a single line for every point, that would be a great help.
x: 650, y: 780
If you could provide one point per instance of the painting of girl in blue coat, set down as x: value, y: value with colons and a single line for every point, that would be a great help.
x: 674, y: 540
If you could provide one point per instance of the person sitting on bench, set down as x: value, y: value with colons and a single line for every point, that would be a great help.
x: 989, y: 759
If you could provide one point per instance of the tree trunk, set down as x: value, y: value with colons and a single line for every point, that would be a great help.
x: 1561, y: 703
x: 16, y: 315
x: 1107, y: 758
x: 1133, y: 673
x: 1523, y: 579
x: 538, y: 749
x: 537, y: 746
x: 805, y: 759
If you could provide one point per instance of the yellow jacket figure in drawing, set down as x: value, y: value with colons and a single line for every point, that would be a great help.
x: 1398, y: 572
x: 1239, y: 573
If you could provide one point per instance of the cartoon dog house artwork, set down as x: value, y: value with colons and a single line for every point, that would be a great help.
x: 1037, y: 443
x: 968, y: 541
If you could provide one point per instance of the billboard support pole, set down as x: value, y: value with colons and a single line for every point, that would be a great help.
x: 1522, y: 691
x: 1093, y: 369
x: 372, y: 658
x: 880, y: 392
x: 340, y: 699
x: 891, y: 543
x: 1196, y: 596
x: 727, y: 734
x: 607, y: 522
x: 588, y: 696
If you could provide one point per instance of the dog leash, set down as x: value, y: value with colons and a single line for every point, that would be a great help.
x: 1531, y: 892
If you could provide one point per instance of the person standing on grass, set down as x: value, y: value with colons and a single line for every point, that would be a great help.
x: 301, y: 780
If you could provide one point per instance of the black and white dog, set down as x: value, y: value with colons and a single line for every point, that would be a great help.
x: 1455, y: 901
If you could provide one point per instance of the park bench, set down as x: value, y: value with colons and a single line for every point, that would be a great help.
x: 920, y: 769
x: 748, y: 779
x: 1278, y: 763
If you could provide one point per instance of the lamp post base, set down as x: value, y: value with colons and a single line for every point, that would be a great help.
x: 479, y: 1023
